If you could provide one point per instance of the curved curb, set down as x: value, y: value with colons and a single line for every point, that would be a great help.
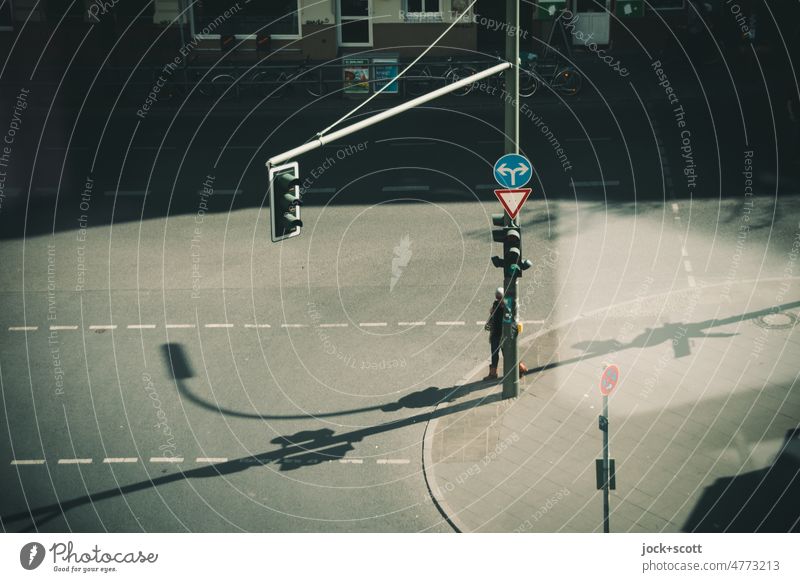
x: 430, y: 429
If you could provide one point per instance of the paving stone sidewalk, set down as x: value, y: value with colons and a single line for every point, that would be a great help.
x: 703, y: 425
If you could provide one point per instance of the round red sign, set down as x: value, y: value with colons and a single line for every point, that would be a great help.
x: 609, y: 379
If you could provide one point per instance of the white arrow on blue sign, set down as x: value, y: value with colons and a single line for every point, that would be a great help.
x: 512, y: 171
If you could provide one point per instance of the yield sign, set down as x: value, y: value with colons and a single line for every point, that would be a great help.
x: 512, y: 200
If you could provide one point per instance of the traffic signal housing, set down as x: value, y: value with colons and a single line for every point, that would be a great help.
x: 284, y: 201
x: 512, y: 262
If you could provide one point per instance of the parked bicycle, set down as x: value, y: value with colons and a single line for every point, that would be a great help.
x: 423, y: 80
x: 564, y: 79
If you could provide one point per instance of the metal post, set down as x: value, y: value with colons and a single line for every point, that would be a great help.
x: 606, y: 470
x: 511, y: 98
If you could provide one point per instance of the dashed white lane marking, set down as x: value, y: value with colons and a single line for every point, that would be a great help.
x: 142, y: 326
x: 405, y: 188
x: 692, y: 282
x: 27, y: 461
x: 256, y: 325
x: 450, y: 323
x: 687, y: 265
x: 589, y: 183
x: 319, y: 191
x: 410, y: 323
x: 74, y: 461
x: 218, y: 325
x: 480, y: 323
x: 125, y: 192
x: 212, y: 459
x: 684, y: 252
x: 63, y: 327
x: 333, y: 324
x: 587, y: 139
x: 166, y: 459
x: 23, y: 328
x: 180, y: 326
x: 225, y: 192
x: 675, y: 207
x: 393, y: 461
x: 121, y: 460
x: 352, y: 461
x: 293, y: 325
x: 376, y: 324
x: 533, y: 321
x: 102, y: 327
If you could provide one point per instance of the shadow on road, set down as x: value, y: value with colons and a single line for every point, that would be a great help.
x: 294, y: 451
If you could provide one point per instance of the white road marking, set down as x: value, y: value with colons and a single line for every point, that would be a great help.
x: 352, y: 461
x: 675, y: 207
x: 405, y: 188
x: 256, y: 325
x: 103, y: 327
x: 480, y: 323
x: 587, y: 139
x: 121, y: 460
x: 319, y: 191
x: 684, y: 252
x: 411, y: 323
x: 396, y: 144
x: 334, y: 324
x: 219, y: 325
x: 74, y: 461
x: 142, y: 326
x: 293, y: 325
x: 23, y: 328
x: 212, y: 459
x: 588, y: 183
x: 393, y: 461
x: 373, y: 324
x: 27, y: 461
x: 180, y: 325
x: 692, y: 282
x: 166, y: 459
x: 125, y: 193
x: 687, y: 265
x: 533, y: 321
x: 450, y: 323
x: 63, y: 327
x: 225, y: 192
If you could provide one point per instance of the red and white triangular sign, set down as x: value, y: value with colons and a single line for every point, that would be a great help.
x: 512, y: 200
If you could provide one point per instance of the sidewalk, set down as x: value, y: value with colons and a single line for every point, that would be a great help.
x: 706, y: 404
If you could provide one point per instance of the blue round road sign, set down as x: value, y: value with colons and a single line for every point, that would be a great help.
x: 513, y: 171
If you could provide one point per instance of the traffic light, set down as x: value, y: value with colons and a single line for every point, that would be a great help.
x: 512, y: 263
x: 284, y: 201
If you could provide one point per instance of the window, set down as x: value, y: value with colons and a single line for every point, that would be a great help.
x: 423, y: 11
x: 278, y: 18
x: 6, y: 15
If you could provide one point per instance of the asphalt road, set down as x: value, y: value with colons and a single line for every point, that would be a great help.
x: 164, y: 367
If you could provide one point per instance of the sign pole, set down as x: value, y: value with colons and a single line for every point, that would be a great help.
x: 605, y: 471
x: 606, y: 508
x: 511, y: 98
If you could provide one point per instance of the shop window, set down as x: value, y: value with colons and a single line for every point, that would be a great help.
x: 277, y: 18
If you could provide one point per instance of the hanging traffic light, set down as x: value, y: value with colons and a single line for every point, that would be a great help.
x: 284, y: 201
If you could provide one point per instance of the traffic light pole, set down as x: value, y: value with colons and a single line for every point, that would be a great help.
x: 511, y: 98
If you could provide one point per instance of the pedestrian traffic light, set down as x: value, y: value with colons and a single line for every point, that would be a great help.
x: 284, y: 201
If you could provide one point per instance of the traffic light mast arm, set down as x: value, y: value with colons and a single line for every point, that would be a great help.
x: 336, y: 135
